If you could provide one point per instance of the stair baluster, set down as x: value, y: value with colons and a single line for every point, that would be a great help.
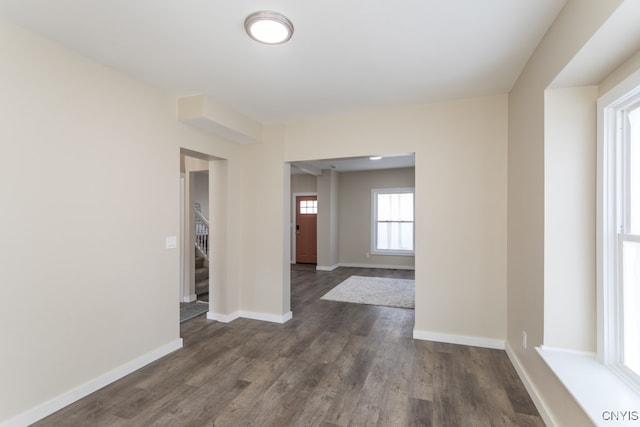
x: 202, y: 234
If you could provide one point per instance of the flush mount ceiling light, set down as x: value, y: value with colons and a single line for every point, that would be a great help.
x: 268, y: 27
x: 375, y: 157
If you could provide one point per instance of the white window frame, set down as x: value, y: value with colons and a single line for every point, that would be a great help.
x: 309, y: 208
x: 613, y: 190
x: 374, y: 221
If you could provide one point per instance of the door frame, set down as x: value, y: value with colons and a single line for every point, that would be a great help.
x: 293, y: 220
x: 184, y: 290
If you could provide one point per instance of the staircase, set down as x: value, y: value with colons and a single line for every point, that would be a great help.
x: 201, y: 253
x: 202, y: 275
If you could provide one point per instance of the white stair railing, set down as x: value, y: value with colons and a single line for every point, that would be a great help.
x: 202, y: 234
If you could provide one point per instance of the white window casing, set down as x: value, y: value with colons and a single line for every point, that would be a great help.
x: 619, y: 236
x: 392, y: 221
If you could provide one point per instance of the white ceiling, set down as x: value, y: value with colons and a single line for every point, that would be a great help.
x: 344, y: 56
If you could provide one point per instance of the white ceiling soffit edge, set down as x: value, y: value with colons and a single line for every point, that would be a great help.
x: 205, y: 113
x: 608, y: 48
x: 311, y: 170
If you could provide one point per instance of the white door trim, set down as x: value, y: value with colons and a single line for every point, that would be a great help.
x: 184, y: 293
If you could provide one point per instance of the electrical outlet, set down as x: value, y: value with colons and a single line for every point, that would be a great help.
x: 524, y: 340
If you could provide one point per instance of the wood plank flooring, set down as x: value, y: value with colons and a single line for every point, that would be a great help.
x: 333, y: 364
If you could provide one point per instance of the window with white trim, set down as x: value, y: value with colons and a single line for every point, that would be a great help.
x: 621, y: 236
x: 308, y: 207
x: 392, y: 228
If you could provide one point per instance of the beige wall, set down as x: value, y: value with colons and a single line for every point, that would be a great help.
x: 86, y: 154
x: 535, y: 176
x: 304, y: 183
x: 629, y: 67
x: 569, y: 217
x: 460, y: 178
x: 193, y: 164
x: 201, y: 191
x: 265, y: 233
x: 328, y: 223
x: 355, y: 215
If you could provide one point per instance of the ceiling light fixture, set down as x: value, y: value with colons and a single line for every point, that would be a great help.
x: 268, y: 27
x: 375, y: 157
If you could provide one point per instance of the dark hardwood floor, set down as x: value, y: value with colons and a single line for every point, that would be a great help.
x: 333, y: 364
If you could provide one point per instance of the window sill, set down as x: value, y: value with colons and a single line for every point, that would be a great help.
x: 393, y: 253
x: 604, y: 397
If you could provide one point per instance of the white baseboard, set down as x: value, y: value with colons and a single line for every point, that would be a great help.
x: 39, y: 412
x: 358, y: 265
x: 267, y: 317
x: 531, y: 389
x: 226, y: 318
x: 385, y: 266
x: 327, y: 268
x: 190, y: 298
x: 458, y: 339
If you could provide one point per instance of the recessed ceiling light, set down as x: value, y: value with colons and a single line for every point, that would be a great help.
x: 268, y: 27
x: 375, y: 157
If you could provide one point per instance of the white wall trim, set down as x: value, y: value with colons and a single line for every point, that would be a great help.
x: 224, y: 318
x: 184, y: 293
x: 190, y: 298
x: 579, y: 371
x: 47, y: 408
x: 227, y: 318
x: 327, y: 268
x: 358, y: 265
x: 374, y: 221
x: 267, y: 317
x: 458, y: 339
x: 385, y: 266
x: 566, y: 351
x: 531, y: 389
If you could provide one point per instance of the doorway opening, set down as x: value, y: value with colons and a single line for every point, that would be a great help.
x: 203, y: 187
x: 340, y: 192
x: 200, y: 198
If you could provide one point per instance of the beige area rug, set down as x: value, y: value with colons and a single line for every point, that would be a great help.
x: 374, y: 291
